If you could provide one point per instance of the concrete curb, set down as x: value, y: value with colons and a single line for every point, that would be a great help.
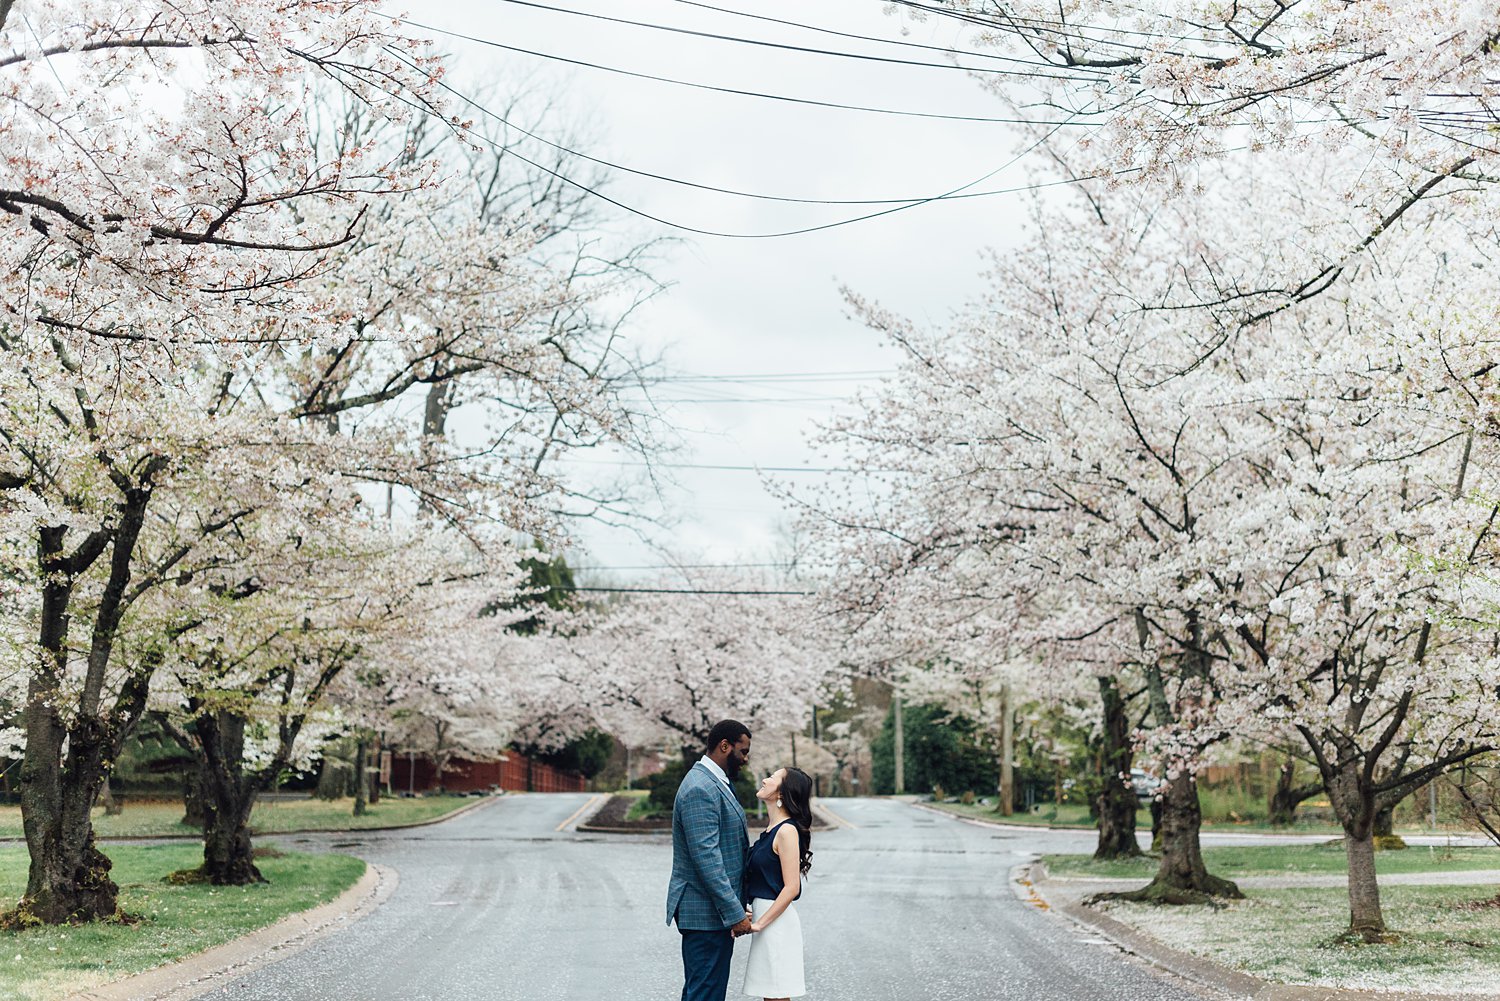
x: 1033, y: 884
x: 213, y: 968
x: 127, y: 838
x: 992, y: 823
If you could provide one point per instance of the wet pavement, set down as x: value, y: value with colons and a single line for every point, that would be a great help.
x: 507, y: 902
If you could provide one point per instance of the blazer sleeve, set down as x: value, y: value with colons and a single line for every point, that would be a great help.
x: 700, y: 823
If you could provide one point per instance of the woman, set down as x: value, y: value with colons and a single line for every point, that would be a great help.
x: 773, y: 879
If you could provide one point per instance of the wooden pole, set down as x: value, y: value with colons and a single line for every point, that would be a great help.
x: 900, y: 743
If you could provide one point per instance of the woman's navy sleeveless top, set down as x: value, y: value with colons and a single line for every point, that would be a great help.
x: 763, y: 870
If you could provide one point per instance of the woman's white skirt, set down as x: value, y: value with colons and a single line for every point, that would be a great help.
x: 775, y: 966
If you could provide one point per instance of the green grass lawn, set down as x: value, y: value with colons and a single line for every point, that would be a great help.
x: 1286, y: 936
x: 1046, y: 815
x: 150, y: 819
x: 1233, y: 862
x: 45, y: 964
x: 1077, y: 815
x: 644, y: 809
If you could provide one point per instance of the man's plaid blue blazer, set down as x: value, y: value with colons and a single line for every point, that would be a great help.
x: 709, y: 849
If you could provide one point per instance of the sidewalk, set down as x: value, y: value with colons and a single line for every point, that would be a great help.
x: 1086, y: 885
x: 1032, y: 884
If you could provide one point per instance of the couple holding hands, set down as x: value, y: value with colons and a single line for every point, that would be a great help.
x: 722, y: 888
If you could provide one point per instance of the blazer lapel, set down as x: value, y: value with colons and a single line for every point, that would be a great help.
x: 723, y: 788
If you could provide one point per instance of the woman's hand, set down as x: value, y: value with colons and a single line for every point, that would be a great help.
x: 756, y: 927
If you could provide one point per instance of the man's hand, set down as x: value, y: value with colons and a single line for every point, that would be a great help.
x: 743, y: 928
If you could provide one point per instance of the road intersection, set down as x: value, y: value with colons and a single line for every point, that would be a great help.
x: 509, y: 902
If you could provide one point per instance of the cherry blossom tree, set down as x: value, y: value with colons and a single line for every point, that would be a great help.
x: 1158, y: 84
x: 210, y: 314
x: 142, y: 248
x: 664, y: 668
x: 1068, y: 463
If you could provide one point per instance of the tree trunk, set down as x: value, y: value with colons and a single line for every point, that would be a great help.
x: 1386, y: 838
x: 376, y: 754
x: 112, y: 807
x: 228, y: 798
x: 68, y: 880
x: 1366, y: 920
x: 1181, y: 878
x: 361, y: 778
x: 193, y: 783
x: 1287, y: 796
x: 1354, y: 802
x: 1116, y: 804
x: 1007, y: 791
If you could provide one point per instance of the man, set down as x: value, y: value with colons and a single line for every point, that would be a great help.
x: 709, y: 849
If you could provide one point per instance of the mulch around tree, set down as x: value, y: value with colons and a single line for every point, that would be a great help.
x: 611, y: 820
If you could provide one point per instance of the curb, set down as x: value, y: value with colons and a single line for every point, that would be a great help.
x: 965, y: 818
x: 1031, y: 881
x: 479, y: 803
x: 126, y: 838
x: 211, y: 969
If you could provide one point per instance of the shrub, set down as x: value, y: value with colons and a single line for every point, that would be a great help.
x: 664, y: 785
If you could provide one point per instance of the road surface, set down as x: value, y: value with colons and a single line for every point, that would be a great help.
x: 501, y: 904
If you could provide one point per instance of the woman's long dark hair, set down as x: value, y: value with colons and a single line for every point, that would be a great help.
x: 796, y: 800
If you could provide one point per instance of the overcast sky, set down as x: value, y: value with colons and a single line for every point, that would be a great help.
x: 742, y: 307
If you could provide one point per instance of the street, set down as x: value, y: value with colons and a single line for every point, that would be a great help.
x: 500, y: 904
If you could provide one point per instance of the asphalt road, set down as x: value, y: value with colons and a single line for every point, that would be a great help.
x: 501, y: 904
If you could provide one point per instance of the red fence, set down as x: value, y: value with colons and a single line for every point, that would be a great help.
x: 516, y: 773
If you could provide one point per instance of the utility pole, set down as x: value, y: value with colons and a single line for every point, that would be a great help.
x: 1007, y: 752
x: 900, y: 742
x: 816, y: 790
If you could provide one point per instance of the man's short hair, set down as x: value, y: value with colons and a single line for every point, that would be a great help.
x: 727, y: 729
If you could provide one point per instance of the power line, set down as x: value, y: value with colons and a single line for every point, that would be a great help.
x: 700, y: 186
x: 685, y: 590
x: 850, y: 375
x: 715, y: 88
x: 897, y: 205
x: 810, y: 50
x: 902, y: 42
x: 803, y: 231
x: 758, y: 399
x: 701, y: 231
x: 723, y: 467
x: 686, y: 566
x: 1038, y: 24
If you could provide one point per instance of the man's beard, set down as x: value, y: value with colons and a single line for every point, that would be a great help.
x: 732, y: 768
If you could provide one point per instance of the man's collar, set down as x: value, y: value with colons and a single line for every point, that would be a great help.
x: 713, y: 766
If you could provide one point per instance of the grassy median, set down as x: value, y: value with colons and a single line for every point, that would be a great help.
x: 1446, y: 944
x: 46, y: 964
x: 1235, y: 861
x: 157, y: 818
